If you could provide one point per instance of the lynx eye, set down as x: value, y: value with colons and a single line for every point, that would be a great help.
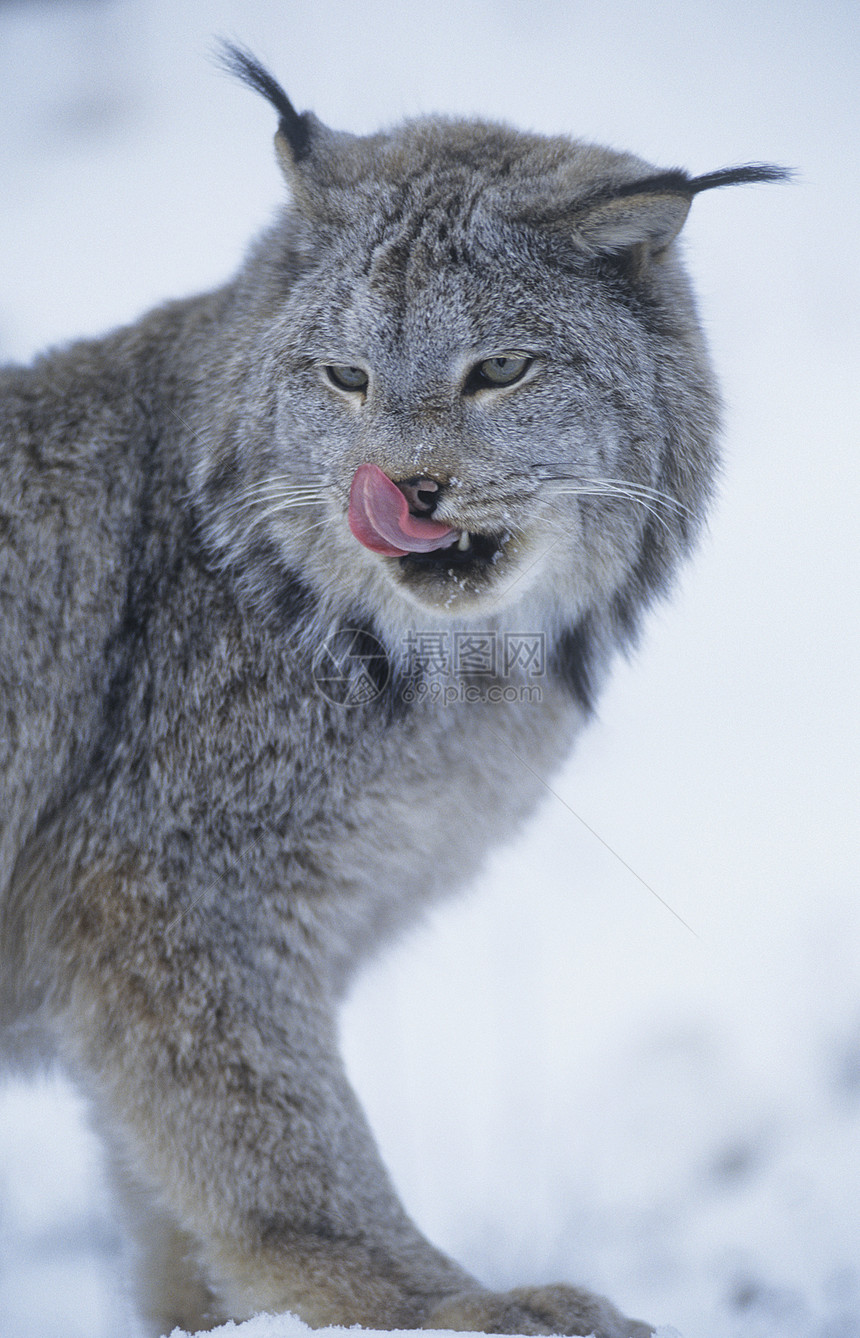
x: 502, y: 370
x: 346, y: 377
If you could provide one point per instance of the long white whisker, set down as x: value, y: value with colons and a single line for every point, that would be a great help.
x: 316, y: 526
x: 274, y: 490
x: 312, y: 481
x: 266, y: 486
x: 645, y: 490
x: 598, y: 489
x: 634, y: 489
x: 627, y: 490
x: 281, y: 507
x: 617, y: 492
x: 286, y: 502
x: 279, y: 495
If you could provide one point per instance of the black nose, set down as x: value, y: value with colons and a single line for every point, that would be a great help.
x: 422, y: 494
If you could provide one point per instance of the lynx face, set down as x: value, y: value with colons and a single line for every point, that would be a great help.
x: 479, y: 400
x: 485, y: 416
x: 482, y: 376
x: 458, y: 422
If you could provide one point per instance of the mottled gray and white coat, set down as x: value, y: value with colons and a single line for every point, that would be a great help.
x: 199, y: 843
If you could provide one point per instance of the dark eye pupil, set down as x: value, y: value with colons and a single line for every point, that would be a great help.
x: 347, y: 377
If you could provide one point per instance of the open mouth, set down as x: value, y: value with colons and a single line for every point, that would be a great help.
x: 381, y: 518
x: 472, y: 551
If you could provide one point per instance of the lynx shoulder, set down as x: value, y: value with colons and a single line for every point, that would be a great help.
x: 304, y: 583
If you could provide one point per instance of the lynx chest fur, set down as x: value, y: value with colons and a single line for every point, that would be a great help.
x: 306, y: 586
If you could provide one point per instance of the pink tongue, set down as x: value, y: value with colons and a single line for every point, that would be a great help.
x: 379, y: 518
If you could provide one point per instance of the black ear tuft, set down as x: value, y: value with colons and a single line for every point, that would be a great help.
x: 238, y: 61
x: 673, y: 182
x: 740, y: 176
x: 678, y: 182
x: 652, y: 209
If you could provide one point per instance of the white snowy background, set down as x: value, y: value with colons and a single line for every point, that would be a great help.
x: 565, y: 1080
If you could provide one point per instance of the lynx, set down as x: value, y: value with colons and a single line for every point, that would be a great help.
x: 305, y: 584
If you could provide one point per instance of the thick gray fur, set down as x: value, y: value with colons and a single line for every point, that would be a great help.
x: 198, y: 846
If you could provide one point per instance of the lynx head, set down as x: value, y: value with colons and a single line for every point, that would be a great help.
x: 484, y: 377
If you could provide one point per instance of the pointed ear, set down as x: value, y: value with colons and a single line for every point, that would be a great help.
x: 295, y: 133
x: 650, y: 213
x: 652, y: 217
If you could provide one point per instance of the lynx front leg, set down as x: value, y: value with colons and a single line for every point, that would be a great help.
x: 169, y: 1284
x: 210, y: 1053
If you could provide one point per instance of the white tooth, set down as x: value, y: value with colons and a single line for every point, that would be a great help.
x: 463, y: 541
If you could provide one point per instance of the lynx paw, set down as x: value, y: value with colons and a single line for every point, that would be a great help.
x: 556, y: 1309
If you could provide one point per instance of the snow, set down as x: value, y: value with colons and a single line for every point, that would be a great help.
x: 287, y: 1326
x: 568, y: 1077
